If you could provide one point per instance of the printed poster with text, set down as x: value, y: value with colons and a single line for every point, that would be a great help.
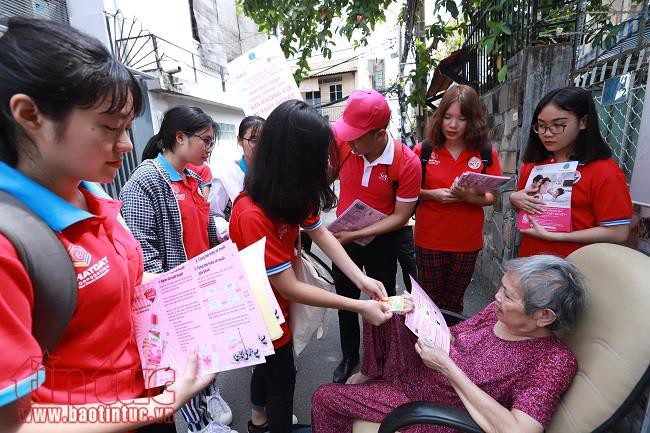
x: 205, y: 304
x: 263, y: 78
x: 552, y: 183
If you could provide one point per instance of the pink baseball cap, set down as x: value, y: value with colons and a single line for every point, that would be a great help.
x: 365, y: 110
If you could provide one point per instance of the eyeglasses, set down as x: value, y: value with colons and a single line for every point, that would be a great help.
x: 251, y: 141
x: 208, y: 143
x: 555, y: 129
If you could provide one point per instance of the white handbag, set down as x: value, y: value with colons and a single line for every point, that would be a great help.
x: 306, y: 321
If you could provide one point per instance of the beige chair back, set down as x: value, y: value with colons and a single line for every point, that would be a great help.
x: 611, y: 340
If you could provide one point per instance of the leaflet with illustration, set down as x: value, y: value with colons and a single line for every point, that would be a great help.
x: 482, y: 183
x: 206, y: 304
x: 356, y: 217
x: 553, y: 184
x: 426, y: 320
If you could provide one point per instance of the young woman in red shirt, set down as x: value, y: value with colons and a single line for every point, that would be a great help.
x: 565, y: 128
x: 287, y: 191
x: 449, y: 218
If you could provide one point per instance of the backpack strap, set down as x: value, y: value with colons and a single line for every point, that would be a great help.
x: 50, y: 270
x: 344, y: 153
x: 486, y: 157
x: 425, y: 154
x: 393, y: 170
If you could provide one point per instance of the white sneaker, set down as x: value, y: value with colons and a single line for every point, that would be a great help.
x: 215, y: 427
x: 294, y: 419
x: 219, y: 409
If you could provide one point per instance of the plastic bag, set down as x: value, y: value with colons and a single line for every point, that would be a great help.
x: 306, y: 321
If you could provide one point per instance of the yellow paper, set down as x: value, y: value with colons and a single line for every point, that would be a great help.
x: 252, y: 258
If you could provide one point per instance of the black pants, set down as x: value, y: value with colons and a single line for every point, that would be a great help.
x: 272, y: 387
x: 379, y: 260
x: 406, y: 255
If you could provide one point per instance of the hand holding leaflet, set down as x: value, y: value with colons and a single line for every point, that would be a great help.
x: 357, y: 216
x: 426, y: 320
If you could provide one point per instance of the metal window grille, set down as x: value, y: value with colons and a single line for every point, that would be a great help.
x: 619, y: 122
x: 55, y: 10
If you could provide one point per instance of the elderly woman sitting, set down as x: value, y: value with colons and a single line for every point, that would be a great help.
x: 506, y: 367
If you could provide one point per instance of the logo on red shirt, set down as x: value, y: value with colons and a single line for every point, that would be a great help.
x: 177, y: 193
x: 434, y: 159
x: 474, y: 162
x: 93, y: 273
x: 80, y: 257
x: 383, y: 176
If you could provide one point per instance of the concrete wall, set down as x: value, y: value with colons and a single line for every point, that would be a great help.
x: 531, y: 74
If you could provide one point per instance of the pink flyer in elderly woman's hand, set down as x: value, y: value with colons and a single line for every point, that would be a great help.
x: 426, y: 320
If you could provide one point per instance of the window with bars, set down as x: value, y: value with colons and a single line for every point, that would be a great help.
x: 227, y: 131
x: 313, y: 98
x: 336, y: 92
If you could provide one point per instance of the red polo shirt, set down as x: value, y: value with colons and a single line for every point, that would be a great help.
x: 97, y: 359
x: 369, y: 182
x: 249, y: 224
x: 453, y: 227
x: 600, y: 197
x: 195, y: 216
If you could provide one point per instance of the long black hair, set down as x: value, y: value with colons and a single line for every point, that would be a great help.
x: 181, y: 118
x: 589, y: 145
x: 61, y: 69
x: 293, y: 182
x: 254, y: 123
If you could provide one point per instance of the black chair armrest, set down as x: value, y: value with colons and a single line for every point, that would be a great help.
x: 452, y: 318
x: 426, y: 412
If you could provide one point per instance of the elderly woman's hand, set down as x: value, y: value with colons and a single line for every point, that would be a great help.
x: 433, y: 357
x: 409, y: 305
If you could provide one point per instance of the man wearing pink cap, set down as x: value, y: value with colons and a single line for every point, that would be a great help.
x: 385, y: 175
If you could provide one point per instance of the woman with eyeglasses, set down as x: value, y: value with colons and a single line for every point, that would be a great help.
x: 565, y: 127
x: 163, y: 206
x: 228, y: 179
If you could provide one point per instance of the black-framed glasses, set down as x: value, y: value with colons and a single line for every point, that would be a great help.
x: 555, y: 128
x: 251, y: 141
x: 208, y: 143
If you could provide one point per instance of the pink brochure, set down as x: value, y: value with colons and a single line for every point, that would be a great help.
x: 426, y: 320
x: 357, y: 216
x: 482, y: 183
x: 553, y: 184
x: 205, y: 304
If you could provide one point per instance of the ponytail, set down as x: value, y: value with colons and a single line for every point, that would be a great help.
x: 181, y: 118
x: 153, y: 148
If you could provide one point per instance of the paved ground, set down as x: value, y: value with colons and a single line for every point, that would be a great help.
x: 315, y: 365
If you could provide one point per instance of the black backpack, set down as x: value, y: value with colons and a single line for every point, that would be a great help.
x: 50, y: 270
x: 427, y: 149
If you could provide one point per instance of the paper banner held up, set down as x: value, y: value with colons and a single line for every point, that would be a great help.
x: 263, y: 78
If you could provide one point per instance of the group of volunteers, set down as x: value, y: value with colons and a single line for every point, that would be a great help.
x: 66, y: 106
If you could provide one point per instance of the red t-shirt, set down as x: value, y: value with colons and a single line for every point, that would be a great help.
x: 203, y: 171
x: 600, y: 197
x: 249, y: 224
x: 455, y: 226
x: 97, y: 359
x: 195, y: 216
x: 370, y: 184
